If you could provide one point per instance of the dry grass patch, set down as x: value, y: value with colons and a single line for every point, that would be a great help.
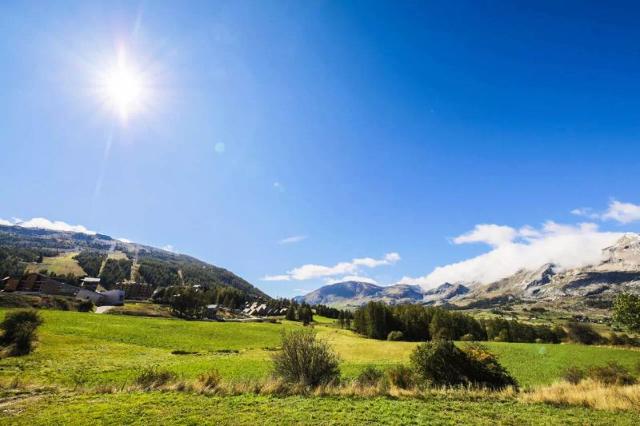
x: 587, y: 393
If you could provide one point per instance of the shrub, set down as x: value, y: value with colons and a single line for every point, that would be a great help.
x: 305, y: 359
x: 370, y: 376
x: 573, y: 375
x: 582, y: 333
x: 441, y: 363
x: 20, y: 330
x: 152, y: 377
x: 611, y: 374
x: 484, y: 370
x: 85, y: 306
x: 395, y: 336
x: 400, y: 376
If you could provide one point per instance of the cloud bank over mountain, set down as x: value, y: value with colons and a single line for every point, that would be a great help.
x: 43, y: 223
x: 568, y: 246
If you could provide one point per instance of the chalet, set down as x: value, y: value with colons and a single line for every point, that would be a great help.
x: 39, y: 284
x: 212, y: 312
x: 90, y: 283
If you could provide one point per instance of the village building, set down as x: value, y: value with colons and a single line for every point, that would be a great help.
x: 40, y: 284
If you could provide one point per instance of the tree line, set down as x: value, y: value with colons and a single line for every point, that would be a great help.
x: 419, y: 323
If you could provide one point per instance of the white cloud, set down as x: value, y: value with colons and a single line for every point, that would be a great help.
x: 494, y: 235
x: 278, y: 186
x: 43, y: 223
x: 616, y: 211
x: 313, y: 271
x: 283, y: 277
x: 293, y: 239
x: 170, y: 248
x: 301, y: 291
x: 358, y: 278
x: 124, y: 240
x: 622, y: 212
x: 567, y: 246
x: 585, y: 212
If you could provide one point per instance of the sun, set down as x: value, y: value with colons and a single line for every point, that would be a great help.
x: 123, y: 87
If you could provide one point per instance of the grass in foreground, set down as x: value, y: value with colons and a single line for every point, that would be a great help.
x: 190, y: 409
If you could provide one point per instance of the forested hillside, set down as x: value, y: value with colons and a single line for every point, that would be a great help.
x: 110, y: 259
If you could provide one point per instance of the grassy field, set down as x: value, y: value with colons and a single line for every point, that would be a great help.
x: 160, y: 408
x: 85, y: 348
x: 78, y: 352
x: 62, y: 264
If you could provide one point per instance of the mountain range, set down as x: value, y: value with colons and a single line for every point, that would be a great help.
x: 593, y: 285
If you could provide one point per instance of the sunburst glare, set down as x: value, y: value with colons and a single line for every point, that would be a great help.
x: 123, y: 87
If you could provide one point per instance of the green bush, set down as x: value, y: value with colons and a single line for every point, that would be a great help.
x: 441, y: 363
x: 370, y: 376
x: 19, y: 330
x: 484, y: 370
x: 400, y: 376
x: 395, y: 336
x: 305, y: 359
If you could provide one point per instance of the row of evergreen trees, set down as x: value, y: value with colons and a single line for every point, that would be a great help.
x: 299, y: 312
x: 419, y: 323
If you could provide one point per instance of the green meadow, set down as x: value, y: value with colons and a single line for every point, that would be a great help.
x: 92, y: 349
x: 161, y: 408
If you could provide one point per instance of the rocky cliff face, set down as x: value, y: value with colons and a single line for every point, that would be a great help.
x: 619, y: 271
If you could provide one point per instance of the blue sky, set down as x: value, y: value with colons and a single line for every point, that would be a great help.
x: 276, y: 135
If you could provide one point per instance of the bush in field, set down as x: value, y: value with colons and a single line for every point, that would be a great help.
x: 370, y: 376
x: 19, y: 329
x: 85, y: 306
x: 400, y: 376
x: 582, y: 333
x: 395, y: 336
x: 441, y: 363
x: 484, y: 369
x: 305, y: 359
x: 611, y: 374
x: 153, y: 377
x: 573, y: 375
